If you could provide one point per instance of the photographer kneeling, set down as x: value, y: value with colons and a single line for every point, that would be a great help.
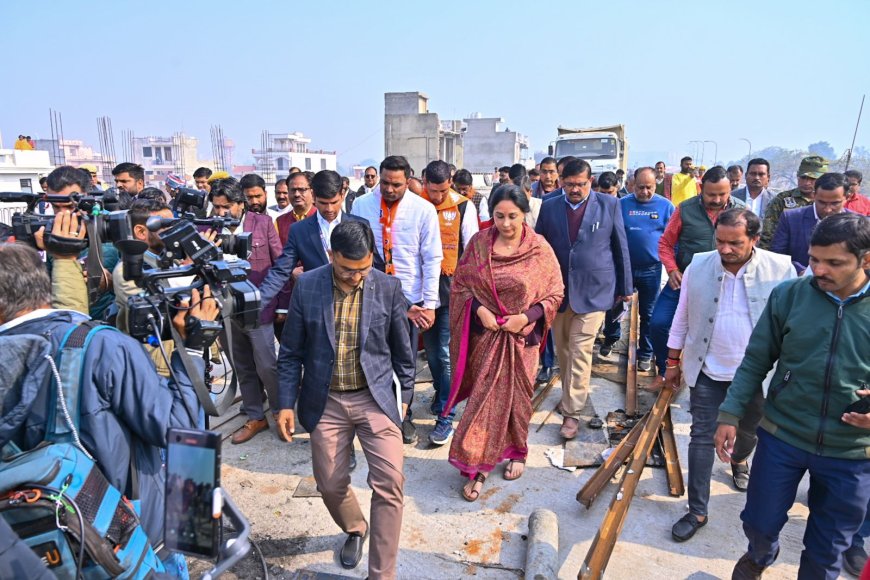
x: 124, y: 407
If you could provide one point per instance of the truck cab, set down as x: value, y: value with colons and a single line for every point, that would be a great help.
x: 605, y: 148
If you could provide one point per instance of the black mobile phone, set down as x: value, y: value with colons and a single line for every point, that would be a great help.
x: 862, y: 405
x: 193, y: 495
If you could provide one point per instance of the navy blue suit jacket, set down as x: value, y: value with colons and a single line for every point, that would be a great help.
x: 303, y: 245
x: 793, y: 233
x: 308, y: 342
x: 596, y: 268
x: 553, y: 194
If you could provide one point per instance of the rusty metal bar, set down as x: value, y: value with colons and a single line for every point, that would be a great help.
x: 631, y: 370
x: 672, y: 458
x: 602, y: 546
x: 611, y: 465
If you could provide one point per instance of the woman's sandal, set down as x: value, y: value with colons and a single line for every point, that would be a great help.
x: 472, y: 495
x: 508, y: 467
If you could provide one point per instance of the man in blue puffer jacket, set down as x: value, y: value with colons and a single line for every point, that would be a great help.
x: 126, y: 408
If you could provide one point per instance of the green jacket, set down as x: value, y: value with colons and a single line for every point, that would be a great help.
x: 68, y: 288
x: 821, y: 351
x: 785, y: 200
x: 698, y: 233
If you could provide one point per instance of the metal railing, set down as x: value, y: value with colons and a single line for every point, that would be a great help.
x: 7, y: 209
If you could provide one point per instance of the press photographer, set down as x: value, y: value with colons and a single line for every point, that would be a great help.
x: 123, y: 407
x: 253, y: 349
x: 138, y: 215
x: 68, y: 192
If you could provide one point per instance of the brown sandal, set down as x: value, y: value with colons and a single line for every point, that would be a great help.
x: 508, y: 466
x: 474, y: 493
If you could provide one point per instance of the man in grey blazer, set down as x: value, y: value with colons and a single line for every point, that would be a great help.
x: 755, y: 193
x: 348, y: 328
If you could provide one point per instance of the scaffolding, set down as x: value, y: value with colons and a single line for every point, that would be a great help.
x: 107, y: 146
x: 58, y: 154
x: 218, y: 148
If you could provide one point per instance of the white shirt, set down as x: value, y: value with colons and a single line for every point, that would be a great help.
x: 417, y: 252
x: 274, y: 211
x: 732, y: 326
x: 754, y: 203
x: 326, y: 229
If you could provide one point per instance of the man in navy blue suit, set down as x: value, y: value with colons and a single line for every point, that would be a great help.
x: 586, y: 231
x: 309, y: 241
x: 795, y: 228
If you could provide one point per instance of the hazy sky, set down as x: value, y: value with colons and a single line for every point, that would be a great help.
x: 785, y: 73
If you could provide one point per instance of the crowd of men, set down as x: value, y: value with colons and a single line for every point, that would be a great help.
x: 730, y: 277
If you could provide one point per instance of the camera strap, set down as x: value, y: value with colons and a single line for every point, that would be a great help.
x: 202, y: 391
x: 94, y: 262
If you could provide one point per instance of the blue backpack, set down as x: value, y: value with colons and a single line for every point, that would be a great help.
x: 56, y: 498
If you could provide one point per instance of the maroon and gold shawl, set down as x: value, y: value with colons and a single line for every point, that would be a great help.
x: 499, y: 361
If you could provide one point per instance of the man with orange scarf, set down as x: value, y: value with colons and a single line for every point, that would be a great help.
x: 457, y: 220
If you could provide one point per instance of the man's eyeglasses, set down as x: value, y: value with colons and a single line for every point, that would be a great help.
x: 371, y: 176
x: 574, y: 186
x: 346, y: 274
x: 298, y: 189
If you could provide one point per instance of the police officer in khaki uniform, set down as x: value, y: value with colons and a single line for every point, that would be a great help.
x: 810, y: 169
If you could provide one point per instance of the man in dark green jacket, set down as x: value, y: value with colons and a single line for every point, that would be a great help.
x: 816, y: 330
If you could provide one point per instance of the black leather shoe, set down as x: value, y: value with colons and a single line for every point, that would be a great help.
x: 740, y: 476
x: 545, y: 374
x: 686, y: 527
x: 747, y: 569
x: 352, y: 465
x: 351, y: 552
x: 409, y: 432
x: 854, y: 560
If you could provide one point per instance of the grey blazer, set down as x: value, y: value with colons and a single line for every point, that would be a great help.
x: 308, y: 342
x: 742, y: 194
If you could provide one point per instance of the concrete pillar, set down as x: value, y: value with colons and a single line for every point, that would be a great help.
x: 542, y: 553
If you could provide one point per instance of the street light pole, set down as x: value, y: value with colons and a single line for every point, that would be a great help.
x: 697, y: 148
x: 715, y: 150
x: 748, y: 142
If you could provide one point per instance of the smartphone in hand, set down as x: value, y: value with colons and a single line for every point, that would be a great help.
x: 193, y: 494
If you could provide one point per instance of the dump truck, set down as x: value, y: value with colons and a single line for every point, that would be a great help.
x: 605, y: 148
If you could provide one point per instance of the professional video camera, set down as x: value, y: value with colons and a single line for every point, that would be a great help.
x: 151, y: 314
x: 187, y: 199
x: 239, y: 245
x: 107, y: 219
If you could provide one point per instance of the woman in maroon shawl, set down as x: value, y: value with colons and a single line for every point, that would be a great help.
x: 503, y: 297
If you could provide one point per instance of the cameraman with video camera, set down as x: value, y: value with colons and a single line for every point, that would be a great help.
x: 71, y: 183
x: 124, y: 407
x: 138, y: 215
x: 253, y: 350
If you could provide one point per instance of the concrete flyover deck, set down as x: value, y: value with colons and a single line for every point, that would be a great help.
x: 444, y: 536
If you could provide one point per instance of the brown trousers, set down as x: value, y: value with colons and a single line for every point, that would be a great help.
x: 381, y: 440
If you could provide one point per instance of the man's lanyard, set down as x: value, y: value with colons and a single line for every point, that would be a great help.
x: 326, y: 248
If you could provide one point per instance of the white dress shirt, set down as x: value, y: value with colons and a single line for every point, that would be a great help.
x: 326, y: 229
x: 417, y: 251
x: 732, y: 326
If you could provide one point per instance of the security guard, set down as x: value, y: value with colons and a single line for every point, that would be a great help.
x: 810, y: 169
